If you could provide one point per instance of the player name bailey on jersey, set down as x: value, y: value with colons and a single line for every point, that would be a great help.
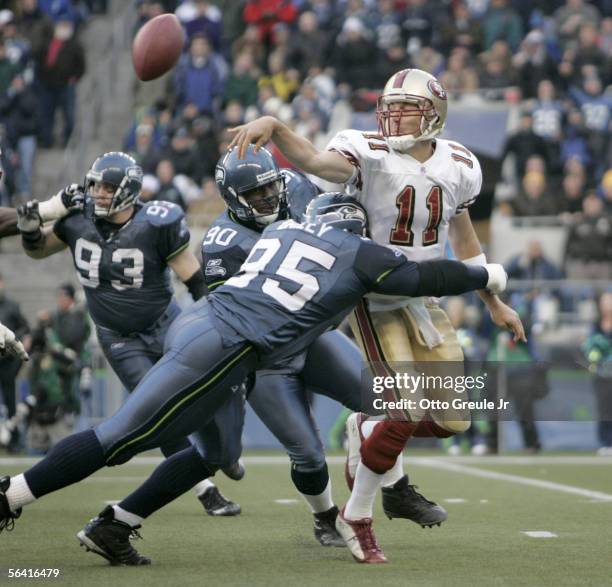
x: 313, y: 228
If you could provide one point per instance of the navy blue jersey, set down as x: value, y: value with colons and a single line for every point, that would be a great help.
x: 125, y: 275
x: 296, y: 284
x: 227, y: 242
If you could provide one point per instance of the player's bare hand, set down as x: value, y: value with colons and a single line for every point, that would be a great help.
x: 504, y: 316
x: 257, y: 132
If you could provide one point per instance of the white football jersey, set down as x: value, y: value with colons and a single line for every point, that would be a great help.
x: 409, y: 203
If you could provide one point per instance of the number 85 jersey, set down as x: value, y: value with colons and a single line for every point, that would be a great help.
x: 409, y: 203
x: 125, y: 276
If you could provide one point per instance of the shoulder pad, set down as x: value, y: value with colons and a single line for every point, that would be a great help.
x: 160, y: 213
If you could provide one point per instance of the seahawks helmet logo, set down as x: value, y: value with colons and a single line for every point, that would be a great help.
x: 220, y: 175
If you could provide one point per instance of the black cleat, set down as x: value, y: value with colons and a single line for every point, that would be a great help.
x: 7, y: 517
x: 325, y: 528
x: 235, y: 472
x: 216, y: 505
x: 110, y: 538
x: 404, y: 501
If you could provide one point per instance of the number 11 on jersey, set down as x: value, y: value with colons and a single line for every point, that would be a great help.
x: 402, y: 234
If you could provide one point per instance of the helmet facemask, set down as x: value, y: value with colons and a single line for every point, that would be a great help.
x: 390, y: 120
x: 263, y: 204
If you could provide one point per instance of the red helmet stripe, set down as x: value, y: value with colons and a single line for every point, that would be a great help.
x: 400, y: 77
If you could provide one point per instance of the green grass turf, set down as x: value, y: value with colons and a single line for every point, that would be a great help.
x: 271, y: 544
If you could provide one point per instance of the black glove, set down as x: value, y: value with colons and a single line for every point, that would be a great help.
x: 73, y: 197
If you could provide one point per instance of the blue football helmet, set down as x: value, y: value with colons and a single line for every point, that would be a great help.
x: 120, y: 171
x: 254, y: 187
x: 339, y: 210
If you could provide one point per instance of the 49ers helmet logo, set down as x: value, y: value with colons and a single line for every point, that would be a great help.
x: 436, y: 89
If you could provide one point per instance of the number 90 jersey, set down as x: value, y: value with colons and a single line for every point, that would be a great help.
x: 126, y: 277
x: 409, y: 203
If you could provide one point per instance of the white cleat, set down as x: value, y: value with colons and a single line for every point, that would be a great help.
x: 354, y: 439
x: 360, y: 539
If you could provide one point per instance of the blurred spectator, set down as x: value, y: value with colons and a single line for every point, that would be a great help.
x: 284, y: 82
x: 534, y: 200
x: 241, y: 84
x: 74, y: 11
x: 460, y: 29
x: 60, y: 367
x: 20, y: 109
x: 595, y: 107
x: 574, y: 144
x: 11, y: 317
x: 207, y: 22
x: 386, y: 23
x: 198, y: 79
x: 34, y: 25
x: 525, y: 143
x: 417, y: 24
x: 428, y: 59
x: 8, y: 70
x: 308, y: 46
x: 572, y: 193
x: 532, y: 264
x: 59, y: 67
x: 233, y: 115
x: 18, y: 49
x: 266, y: 13
x: 606, y: 191
x: 570, y: 17
x: 459, y: 75
x: 354, y: 55
x: 150, y: 188
x: 598, y: 352
x: 145, y: 152
x: 391, y: 60
x: 204, y: 135
x: 547, y: 113
x: 183, y: 153
x: 502, y: 22
x: 168, y: 191
x: 588, y: 253
x: 533, y: 63
x: 250, y: 43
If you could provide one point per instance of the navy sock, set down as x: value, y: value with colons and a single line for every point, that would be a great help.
x: 311, y: 482
x: 176, y: 475
x: 69, y: 461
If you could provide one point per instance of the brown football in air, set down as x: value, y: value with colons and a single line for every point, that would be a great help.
x: 157, y: 46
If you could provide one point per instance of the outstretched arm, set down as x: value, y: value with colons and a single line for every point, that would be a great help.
x: 188, y: 270
x: 300, y: 151
x: 440, y: 278
x: 466, y: 247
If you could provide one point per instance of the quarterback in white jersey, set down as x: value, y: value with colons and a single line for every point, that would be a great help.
x: 416, y: 189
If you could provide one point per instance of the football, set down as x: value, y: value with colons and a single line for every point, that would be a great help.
x: 157, y: 46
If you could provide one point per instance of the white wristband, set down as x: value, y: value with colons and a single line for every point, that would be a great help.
x: 477, y: 260
x: 498, y: 278
x: 52, y: 209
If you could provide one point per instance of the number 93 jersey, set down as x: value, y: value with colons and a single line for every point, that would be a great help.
x: 125, y: 276
x: 409, y: 203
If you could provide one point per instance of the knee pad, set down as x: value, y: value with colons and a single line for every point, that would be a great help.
x: 381, y: 449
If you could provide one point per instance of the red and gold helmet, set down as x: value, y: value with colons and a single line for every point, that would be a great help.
x: 417, y: 87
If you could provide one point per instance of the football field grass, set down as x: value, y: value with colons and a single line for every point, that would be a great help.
x: 492, y: 503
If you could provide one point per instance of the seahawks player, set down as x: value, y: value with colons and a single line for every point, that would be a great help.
x: 122, y: 250
x: 299, y: 281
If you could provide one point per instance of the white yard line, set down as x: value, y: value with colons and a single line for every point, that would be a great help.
x: 550, y: 485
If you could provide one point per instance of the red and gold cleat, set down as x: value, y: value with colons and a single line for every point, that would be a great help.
x: 360, y: 539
